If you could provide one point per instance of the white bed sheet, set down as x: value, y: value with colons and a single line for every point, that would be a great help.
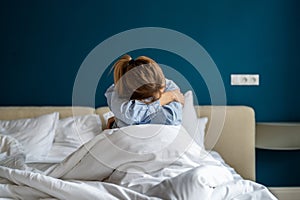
x: 59, y: 152
x: 128, y: 175
x: 218, y: 157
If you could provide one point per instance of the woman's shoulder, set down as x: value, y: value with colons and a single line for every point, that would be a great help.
x: 110, y: 89
x: 170, y: 85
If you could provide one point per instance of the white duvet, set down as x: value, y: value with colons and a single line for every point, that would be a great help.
x: 136, y: 162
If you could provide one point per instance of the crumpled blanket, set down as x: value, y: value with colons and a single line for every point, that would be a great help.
x: 136, y: 162
x: 11, y: 153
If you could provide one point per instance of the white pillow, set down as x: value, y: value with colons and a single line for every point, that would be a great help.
x: 77, y: 130
x: 199, y: 133
x: 194, y: 126
x: 71, y: 133
x: 35, y: 134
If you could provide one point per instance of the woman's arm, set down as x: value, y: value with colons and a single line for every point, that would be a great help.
x: 171, y: 101
x: 170, y: 96
x: 167, y: 110
x: 130, y: 111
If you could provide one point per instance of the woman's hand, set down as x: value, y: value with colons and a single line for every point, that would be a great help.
x: 169, y: 96
x: 179, y: 97
x: 110, y: 122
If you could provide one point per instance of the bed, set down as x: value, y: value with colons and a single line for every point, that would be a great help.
x: 131, y: 169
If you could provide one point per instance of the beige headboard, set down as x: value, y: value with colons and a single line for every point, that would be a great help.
x: 236, y: 141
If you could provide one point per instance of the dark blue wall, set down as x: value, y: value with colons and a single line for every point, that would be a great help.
x: 278, y: 167
x: 43, y: 44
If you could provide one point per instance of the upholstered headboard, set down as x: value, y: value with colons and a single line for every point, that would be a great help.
x: 235, y: 142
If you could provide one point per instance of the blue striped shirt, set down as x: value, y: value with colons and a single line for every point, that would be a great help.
x: 134, y: 112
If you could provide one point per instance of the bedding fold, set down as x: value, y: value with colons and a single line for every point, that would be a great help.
x: 135, y: 162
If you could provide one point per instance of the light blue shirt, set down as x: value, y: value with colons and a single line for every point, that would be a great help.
x: 133, y: 112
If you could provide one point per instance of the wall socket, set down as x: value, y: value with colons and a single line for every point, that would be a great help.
x: 245, y: 79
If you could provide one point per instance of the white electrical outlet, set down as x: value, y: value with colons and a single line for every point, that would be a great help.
x: 244, y: 79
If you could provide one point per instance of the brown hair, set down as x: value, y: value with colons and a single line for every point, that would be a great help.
x: 144, y: 78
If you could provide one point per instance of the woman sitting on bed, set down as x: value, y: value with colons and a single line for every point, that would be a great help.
x: 142, y: 95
